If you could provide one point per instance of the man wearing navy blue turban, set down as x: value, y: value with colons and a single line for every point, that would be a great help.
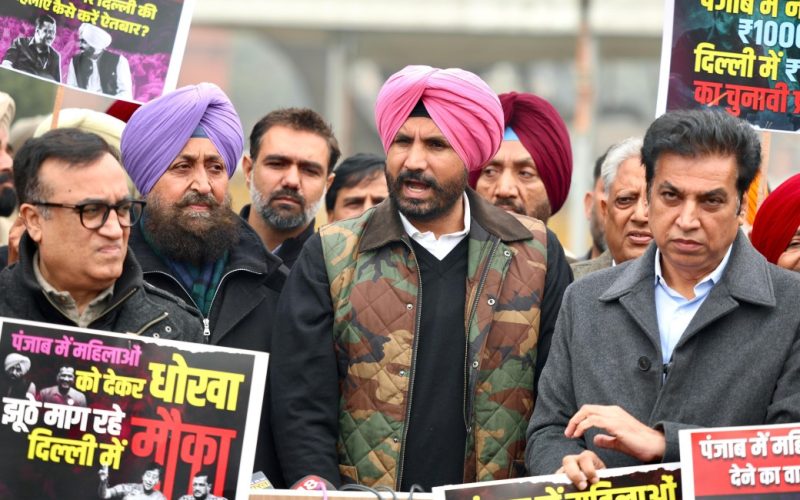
x: 180, y: 150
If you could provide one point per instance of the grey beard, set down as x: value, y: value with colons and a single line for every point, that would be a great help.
x: 283, y: 222
x: 187, y: 238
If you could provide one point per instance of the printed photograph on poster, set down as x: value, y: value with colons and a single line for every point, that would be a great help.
x: 126, y: 49
x: 90, y: 414
x: 741, y: 463
x: 656, y: 482
x: 742, y: 56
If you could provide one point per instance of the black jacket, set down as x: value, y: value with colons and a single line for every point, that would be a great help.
x: 136, y: 307
x: 242, y: 312
x: 289, y: 249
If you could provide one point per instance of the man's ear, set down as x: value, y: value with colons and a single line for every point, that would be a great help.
x: 604, y: 208
x: 330, y: 181
x: 32, y: 218
x: 247, y: 167
x: 588, y: 198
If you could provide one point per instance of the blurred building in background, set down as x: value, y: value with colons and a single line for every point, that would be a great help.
x: 596, y: 61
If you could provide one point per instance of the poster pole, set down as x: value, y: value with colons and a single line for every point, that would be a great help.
x: 57, y: 104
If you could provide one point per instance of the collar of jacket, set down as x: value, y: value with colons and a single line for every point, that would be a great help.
x: 385, y: 226
x: 248, y: 254
x: 746, y: 277
x: 131, y: 278
x: 292, y: 245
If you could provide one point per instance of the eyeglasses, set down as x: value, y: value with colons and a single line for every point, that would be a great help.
x: 94, y: 214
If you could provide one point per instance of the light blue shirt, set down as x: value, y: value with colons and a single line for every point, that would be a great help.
x: 674, y: 311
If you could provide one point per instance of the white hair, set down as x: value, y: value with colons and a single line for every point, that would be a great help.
x: 617, y: 154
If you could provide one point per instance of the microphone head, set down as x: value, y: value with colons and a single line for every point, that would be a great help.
x: 312, y: 483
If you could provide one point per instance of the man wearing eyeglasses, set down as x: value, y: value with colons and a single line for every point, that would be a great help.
x: 74, y: 267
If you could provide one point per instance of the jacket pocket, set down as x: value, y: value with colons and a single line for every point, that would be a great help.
x: 349, y: 474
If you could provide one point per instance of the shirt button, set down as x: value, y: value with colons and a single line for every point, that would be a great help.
x: 475, y: 364
x: 409, y: 306
x: 491, y: 302
x: 644, y: 363
x: 507, y: 253
x: 402, y: 373
x: 396, y: 440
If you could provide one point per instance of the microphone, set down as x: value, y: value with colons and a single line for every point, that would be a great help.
x: 312, y: 483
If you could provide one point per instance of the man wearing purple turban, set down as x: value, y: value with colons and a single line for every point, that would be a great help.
x: 532, y: 171
x: 362, y: 337
x: 180, y: 150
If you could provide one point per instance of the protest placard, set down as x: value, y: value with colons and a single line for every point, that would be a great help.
x: 741, y: 462
x: 648, y: 482
x: 127, y: 49
x: 88, y: 414
x: 742, y: 56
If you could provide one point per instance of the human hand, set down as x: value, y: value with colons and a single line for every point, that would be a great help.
x: 622, y: 432
x: 581, y: 469
x: 103, y: 473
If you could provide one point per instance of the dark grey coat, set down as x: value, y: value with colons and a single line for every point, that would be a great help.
x: 737, y: 363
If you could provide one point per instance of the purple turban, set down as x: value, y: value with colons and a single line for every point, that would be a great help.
x: 466, y: 110
x: 160, y: 129
x: 543, y: 133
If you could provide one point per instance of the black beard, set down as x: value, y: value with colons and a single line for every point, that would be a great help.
x: 445, y: 195
x: 8, y: 201
x: 196, y: 239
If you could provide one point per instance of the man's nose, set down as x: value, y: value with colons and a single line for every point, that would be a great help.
x: 506, y: 185
x: 291, y: 178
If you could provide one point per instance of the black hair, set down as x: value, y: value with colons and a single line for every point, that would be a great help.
x: 71, y: 145
x: 352, y: 171
x: 702, y: 132
x: 303, y: 119
x: 44, y: 18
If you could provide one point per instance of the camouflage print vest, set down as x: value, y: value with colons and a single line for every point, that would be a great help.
x: 374, y: 279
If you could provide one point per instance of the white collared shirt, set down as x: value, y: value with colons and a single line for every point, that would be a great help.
x: 674, y: 311
x: 445, y: 244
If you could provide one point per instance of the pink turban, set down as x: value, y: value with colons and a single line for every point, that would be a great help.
x: 459, y: 103
x: 543, y: 133
x: 160, y: 129
x: 777, y: 220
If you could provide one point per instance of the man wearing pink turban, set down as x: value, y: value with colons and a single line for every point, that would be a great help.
x: 532, y: 171
x: 180, y: 150
x: 370, y: 366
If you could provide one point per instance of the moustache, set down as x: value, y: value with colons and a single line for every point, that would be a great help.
x: 193, y: 198
x: 6, y: 177
x: 288, y: 193
x: 506, y: 203
x: 417, y: 176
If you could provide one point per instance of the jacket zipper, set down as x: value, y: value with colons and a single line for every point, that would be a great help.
x: 114, y: 306
x: 401, y: 459
x: 157, y: 320
x: 473, y: 311
x: 206, y: 320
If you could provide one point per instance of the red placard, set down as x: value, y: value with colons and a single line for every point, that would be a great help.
x: 741, y: 461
